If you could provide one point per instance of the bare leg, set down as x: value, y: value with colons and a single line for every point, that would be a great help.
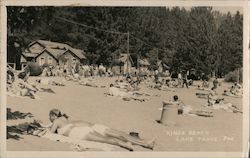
x: 33, y: 95
x: 126, y: 137
x: 91, y: 85
x: 94, y: 136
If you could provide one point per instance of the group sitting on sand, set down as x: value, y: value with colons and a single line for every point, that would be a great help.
x: 18, y: 86
x: 81, y: 130
x: 127, y: 84
x: 187, y: 110
x: 235, y: 91
x: 163, y: 85
x: 215, y: 102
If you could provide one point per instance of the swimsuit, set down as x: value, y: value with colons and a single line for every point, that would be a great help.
x: 81, y: 132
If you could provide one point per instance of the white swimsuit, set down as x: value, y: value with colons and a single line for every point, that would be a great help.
x: 81, y: 132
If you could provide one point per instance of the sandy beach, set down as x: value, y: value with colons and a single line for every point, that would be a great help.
x: 222, y: 132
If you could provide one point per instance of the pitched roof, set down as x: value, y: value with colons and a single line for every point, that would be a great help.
x: 53, y: 45
x: 57, y: 49
x: 46, y: 50
x: 78, y: 53
x: 55, y: 52
x: 30, y: 54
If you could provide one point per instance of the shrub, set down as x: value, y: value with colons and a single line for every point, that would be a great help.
x: 233, y: 76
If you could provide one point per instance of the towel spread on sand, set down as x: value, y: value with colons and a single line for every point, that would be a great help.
x: 79, y: 145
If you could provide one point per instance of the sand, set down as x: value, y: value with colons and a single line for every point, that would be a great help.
x: 223, y: 132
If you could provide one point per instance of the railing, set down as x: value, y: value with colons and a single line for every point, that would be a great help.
x: 13, y: 65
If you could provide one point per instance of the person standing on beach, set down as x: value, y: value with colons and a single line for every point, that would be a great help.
x: 179, y: 79
x: 156, y: 76
x: 185, y: 80
x: 215, y: 83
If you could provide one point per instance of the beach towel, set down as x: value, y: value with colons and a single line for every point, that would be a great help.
x: 79, y: 145
x: 202, y: 95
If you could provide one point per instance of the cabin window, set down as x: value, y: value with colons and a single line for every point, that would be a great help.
x: 74, y: 60
x: 42, y: 60
x: 50, y: 60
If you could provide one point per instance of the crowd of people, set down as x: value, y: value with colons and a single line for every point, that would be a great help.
x: 76, y: 68
x: 127, y: 87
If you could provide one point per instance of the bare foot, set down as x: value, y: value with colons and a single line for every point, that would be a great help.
x: 151, y: 143
x: 127, y: 145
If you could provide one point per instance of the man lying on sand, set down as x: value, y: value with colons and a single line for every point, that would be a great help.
x: 73, y: 77
x: 82, y: 130
x: 49, y: 81
x: 135, y: 95
x: 88, y: 83
x: 203, y: 88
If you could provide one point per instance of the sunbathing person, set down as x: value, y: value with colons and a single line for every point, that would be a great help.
x: 218, y: 103
x: 73, y: 77
x: 230, y: 94
x: 203, y: 88
x: 94, y: 132
x: 184, y: 109
x: 172, y: 83
x: 87, y: 83
x: 121, y: 84
x: 236, y: 90
x: 213, y: 98
x: 135, y: 95
x: 49, y: 81
x: 162, y: 86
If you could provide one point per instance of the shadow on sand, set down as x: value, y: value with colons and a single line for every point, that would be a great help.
x: 14, y: 132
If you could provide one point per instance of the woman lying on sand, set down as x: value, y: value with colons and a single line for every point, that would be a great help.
x: 94, y: 132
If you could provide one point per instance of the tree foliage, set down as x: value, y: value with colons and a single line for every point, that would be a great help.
x: 199, y: 38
